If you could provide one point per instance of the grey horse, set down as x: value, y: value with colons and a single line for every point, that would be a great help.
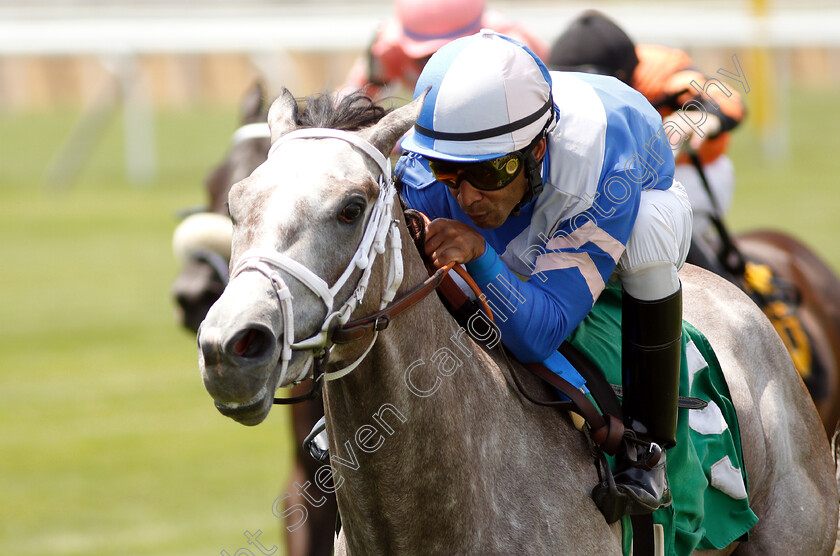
x: 432, y: 451
x: 202, y: 244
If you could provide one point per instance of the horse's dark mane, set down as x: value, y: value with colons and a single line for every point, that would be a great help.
x: 352, y: 113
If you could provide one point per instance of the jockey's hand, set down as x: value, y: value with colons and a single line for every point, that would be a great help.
x: 694, y: 126
x: 451, y: 240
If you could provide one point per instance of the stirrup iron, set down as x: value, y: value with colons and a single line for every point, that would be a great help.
x: 316, y: 442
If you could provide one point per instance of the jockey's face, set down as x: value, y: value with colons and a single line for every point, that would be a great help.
x: 490, y: 209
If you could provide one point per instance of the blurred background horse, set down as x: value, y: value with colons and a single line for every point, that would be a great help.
x: 795, y: 288
x: 202, y: 246
x: 201, y: 241
x: 806, y: 312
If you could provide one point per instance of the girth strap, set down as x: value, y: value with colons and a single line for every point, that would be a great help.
x: 606, y: 431
x: 601, y: 390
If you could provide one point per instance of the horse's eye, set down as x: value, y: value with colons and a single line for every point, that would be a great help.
x: 352, y: 212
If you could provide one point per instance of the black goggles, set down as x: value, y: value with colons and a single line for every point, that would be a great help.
x: 489, y: 175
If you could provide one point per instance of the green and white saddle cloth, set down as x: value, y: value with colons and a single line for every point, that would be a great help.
x: 709, y: 485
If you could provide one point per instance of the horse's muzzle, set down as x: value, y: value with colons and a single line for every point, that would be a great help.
x: 249, y: 413
x: 237, y: 364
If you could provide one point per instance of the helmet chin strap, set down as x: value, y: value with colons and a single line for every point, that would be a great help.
x: 533, y: 179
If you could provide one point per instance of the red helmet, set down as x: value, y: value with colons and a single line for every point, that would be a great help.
x: 429, y: 24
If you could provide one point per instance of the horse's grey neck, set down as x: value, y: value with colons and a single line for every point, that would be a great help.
x: 424, y: 433
x: 393, y: 421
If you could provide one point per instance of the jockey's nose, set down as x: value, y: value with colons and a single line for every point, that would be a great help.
x: 467, y: 194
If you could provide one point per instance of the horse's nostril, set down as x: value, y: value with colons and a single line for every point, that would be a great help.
x: 252, y: 343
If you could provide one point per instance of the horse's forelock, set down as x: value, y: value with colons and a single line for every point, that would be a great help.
x: 351, y: 113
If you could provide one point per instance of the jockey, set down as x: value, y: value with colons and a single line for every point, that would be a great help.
x: 699, y: 111
x: 405, y: 42
x: 561, y: 180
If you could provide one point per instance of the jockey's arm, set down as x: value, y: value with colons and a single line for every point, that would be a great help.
x: 708, y: 100
x: 568, y: 271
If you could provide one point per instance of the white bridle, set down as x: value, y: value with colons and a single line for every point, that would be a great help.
x: 381, y: 227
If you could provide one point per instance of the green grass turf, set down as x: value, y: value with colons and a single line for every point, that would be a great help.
x: 798, y: 189
x: 108, y: 442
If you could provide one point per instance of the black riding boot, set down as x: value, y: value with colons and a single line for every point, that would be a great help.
x: 650, y: 371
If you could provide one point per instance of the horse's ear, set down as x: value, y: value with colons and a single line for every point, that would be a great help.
x: 253, y: 104
x: 283, y: 115
x: 385, y: 134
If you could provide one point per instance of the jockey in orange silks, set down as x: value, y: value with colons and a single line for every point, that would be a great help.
x: 698, y: 111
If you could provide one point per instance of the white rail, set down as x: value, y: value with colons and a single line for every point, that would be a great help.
x: 119, y: 34
x: 342, y: 27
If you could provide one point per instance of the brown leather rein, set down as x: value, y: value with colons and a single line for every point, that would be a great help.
x: 356, y: 329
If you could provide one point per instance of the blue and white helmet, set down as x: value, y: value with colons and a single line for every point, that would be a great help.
x: 489, y: 95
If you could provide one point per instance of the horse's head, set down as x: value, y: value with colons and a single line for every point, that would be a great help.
x: 307, y: 226
x: 202, y: 241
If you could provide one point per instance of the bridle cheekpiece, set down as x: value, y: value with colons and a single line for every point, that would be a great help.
x: 381, y: 233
